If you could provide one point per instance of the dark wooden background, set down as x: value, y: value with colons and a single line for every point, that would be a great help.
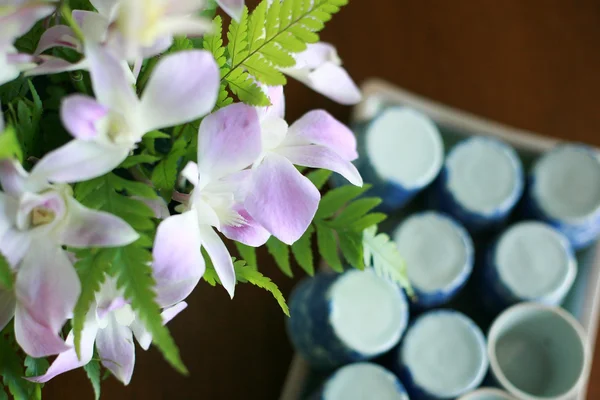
x: 533, y: 64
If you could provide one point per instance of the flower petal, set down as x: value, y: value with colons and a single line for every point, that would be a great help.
x: 141, y: 333
x: 47, y: 288
x: 78, y: 161
x: 93, y: 25
x: 158, y: 205
x: 185, y: 26
x: 54, y: 65
x: 190, y: 173
x: 13, y: 177
x: 277, y: 99
x: 56, y: 36
x: 20, y: 22
x: 79, y: 115
x: 90, y: 228
x: 185, y: 6
x: 251, y: 233
x: 282, y: 200
x: 13, y: 245
x: 220, y: 257
x: 333, y: 81
x: 116, y: 349
x: 68, y: 360
x: 178, y: 263
x: 183, y: 87
x: 105, y: 7
x: 229, y: 140
x: 314, y: 156
x: 7, y: 307
x: 112, y: 85
x: 233, y: 8
x: 319, y: 127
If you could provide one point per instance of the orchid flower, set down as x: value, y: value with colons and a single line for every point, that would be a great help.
x: 16, y: 20
x: 319, y: 68
x: 233, y: 8
x: 228, y: 142
x: 111, y: 324
x: 36, y: 220
x: 183, y: 87
x: 281, y: 199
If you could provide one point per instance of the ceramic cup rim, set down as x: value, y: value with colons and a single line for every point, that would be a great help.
x: 486, y: 390
x: 561, y: 313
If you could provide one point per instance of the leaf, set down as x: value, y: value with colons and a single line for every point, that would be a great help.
x: 238, y: 39
x: 335, y: 199
x: 244, y: 87
x: 351, y: 245
x: 92, y: 369
x: 92, y: 269
x: 35, y: 366
x: 354, y: 211
x: 302, y: 250
x: 250, y: 275
x: 11, y: 370
x: 367, y: 221
x: 247, y: 253
x: 386, y: 259
x: 319, y: 177
x: 138, y: 159
x: 134, y: 276
x: 7, y: 277
x: 281, y: 253
x: 328, y: 247
x: 164, y: 174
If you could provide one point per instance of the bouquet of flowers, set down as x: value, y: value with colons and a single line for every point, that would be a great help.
x: 135, y: 137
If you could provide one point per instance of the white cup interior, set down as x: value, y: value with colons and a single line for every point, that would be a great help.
x: 488, y: 394
x: 538, y: 352
x: 364, y: 381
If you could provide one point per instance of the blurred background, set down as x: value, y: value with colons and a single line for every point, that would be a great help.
x: 531, y: 64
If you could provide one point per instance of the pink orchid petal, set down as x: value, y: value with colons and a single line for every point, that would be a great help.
x: 160, y: 45
x: 178, y: 264
x: 13, y: 177
x: 315, y: 55
x: 56, y: 36
x: 314, y: 156
x: 229, y: 140
x: 108, y: 305
x: 333, y: 81
x: 319, y: 127
x: 50, y: 200
x: 219, y: 256
x: 251, y: 233
x: 111, y: 83
x: 233, y: 8
x: 191, y: 173
x: 140, y: 332
x: 282, y: 200
x: 47, y: 288
x: 13, y: 245
x: 79, y: 115
x: 183, y: 25
x: 79, y: 161
x: 68, y: 360
x: 277, y: 107
x: 183, y: 87
x: 20, y: 22
x: 90, y: 228
x: 54, y: 65
x: 93, y: 25
x: 158, y: 205
x: 7, y: 307
x: 116, y: 349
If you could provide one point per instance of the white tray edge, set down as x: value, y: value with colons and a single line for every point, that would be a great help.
x: 377, y: 94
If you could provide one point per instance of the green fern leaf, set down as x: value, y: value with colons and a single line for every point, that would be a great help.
x: 92, y: 270
x: 264, y: 71
x: 281, y: 253
x: 302, y: 251
x: 238, y: 39
x: 138, y: 159
x: 164, y: 174
x: 272, y: 24
x: 319, y: 177
x: 355, y: 211
x: 134, y: 276
x: 386, y: 259
x: 335, y: 199
x: 12, y: 371
x: 277, y: 55
x: 246, y: 90
x: 328, y: 247
x: 214, y: 42
x: 247, y: 253
x: 92, y: 369
x: 247, y: 274
x: 367, y: 221
x: 351, y: 244
x: 7, y: 277
x: 9, y: 145
x: 256, y: 26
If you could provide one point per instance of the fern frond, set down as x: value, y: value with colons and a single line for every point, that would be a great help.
x: 238, y: 39
x: 247, y: 274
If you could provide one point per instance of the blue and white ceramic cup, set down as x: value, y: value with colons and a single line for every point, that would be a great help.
x: 442, y: 356
x: 438, y: 253
x: 531, y: 261
x: 338, y: 319
x: 401, y: 153
x: 480, y: 184
x: 362, y: 381
x: 564, y: 190
x: 488, y: 394
x: 538, y: 352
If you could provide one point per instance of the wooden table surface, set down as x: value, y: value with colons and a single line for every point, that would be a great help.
x: 532, y: 64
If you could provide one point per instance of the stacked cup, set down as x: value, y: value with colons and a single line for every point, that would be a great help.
x: 513, y: 248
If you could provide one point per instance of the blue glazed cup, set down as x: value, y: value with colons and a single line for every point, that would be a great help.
x: 401, y: 153
x: 564, y: 191
x: 361, y: 381
x: 442, y: 356
x: 538, y: 352
x: 339, y: 319
x: 480, y: 183
x: 439, y: 256
x: 530, y: 261
x: 488, y: 394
